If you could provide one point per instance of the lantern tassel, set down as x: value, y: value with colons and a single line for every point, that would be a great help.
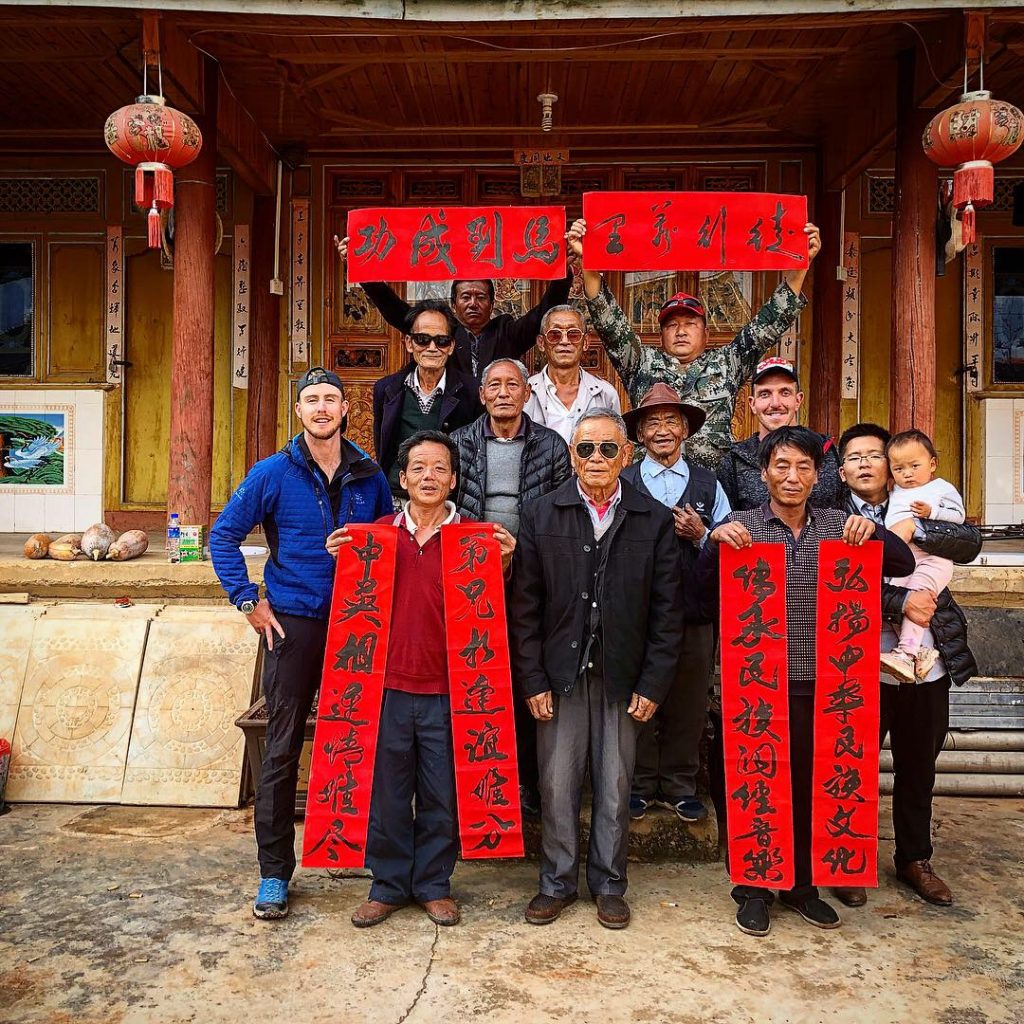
x: 143, y: 189
x: 163, y: 186
x: 155, y: 233
x: 967, y: 224
x: 974, y: 182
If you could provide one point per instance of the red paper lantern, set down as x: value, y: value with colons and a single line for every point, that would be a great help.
x: 156, y: 139
x: 972, y: 136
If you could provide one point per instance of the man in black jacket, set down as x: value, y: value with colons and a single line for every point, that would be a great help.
x: 775, y: 399
x: 595, y: 627
x: 480, y: 337
x: 915, y: 715
x: 427, y: 393
x: 668, y: 749
x: 507, y: 460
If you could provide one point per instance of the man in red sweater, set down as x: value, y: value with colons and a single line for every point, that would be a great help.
x: 412, y: 859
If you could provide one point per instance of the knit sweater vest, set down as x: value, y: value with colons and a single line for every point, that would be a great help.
x: 501, y: 500
x: 413, y: 419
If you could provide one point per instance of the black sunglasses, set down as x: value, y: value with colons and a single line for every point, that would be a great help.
x: 442, y: 341
x: 609, y: 449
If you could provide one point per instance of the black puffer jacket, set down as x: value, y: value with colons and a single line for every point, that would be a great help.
x: 959, y: 542
x: 739, y: 473
x: 544, y: 465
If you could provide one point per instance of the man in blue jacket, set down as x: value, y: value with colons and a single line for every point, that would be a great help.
x: 317, y: 483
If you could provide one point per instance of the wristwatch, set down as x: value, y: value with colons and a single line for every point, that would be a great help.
x: 247, y: 607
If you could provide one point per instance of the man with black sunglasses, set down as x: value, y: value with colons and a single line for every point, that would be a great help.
x: 709, y: 378
x: 427, y: 393
x: 480, y: 337
x: 596, y: 629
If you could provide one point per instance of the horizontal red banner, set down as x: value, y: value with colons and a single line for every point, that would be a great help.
x: 694, y: 231
x: 447, y: 243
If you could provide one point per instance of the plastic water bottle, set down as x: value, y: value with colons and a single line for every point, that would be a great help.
x: 173, y: 539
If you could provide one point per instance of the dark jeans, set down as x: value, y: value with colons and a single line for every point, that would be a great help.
x: 916, y: 717
x: 291, y: 678
x: 801, y: 758
x: 668, y: 747
x: 412, y: 857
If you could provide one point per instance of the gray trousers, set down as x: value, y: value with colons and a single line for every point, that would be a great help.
x: 668, y: 748
x: 585, y: 729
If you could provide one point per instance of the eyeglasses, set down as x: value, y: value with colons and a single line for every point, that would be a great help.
x: 609, y: 449
x: 441, y: 341
x: 874, y: 458
x: 555, y: 335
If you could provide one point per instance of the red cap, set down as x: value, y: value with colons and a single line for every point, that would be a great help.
x: 681, y: 303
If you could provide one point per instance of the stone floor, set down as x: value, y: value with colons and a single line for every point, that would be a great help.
x: 126, y: 915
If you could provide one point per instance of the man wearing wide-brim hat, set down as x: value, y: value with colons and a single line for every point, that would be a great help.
x: 668, y: 747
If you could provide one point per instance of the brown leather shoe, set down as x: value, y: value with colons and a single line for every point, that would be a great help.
x: 373, y: 912
x: 544, y: 909
x: 852, y: 896
x: 918, y: 874
x: 443, y: 911
x: 612, y: 911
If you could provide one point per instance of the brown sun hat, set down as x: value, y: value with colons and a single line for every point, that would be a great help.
x: 662, y: 394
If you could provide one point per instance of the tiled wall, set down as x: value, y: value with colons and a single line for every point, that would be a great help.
x: 79, y: 503
x: 1004, y: 460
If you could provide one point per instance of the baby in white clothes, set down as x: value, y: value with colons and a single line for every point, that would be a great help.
x: 918, y: 494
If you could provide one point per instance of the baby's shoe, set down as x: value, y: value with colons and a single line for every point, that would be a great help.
x: 898, y: 664
x: 924, y: 661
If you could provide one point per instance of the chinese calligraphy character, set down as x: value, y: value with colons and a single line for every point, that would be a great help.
x: 477, y: 603
x: 484, y: 745
x: 489, y: 788
x: 429, y: 243
x: 478, y: 697
x: 378, y: 240
x: 346, y: 707
x: 535, y: 241
x: 616, y: 221
x: 356, y: 654
x: 662, y: 235
x: 752, y: 671
x: 494, y: 836
x: 708, y: 229
x: 845, y: 580
x: 485, y: 236
x: 477, y: 648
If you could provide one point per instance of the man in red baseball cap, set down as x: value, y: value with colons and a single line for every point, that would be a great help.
x: 708, y: 378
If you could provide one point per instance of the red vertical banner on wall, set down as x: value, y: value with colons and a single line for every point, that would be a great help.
x: 351, y: 692
x: 755, y: 715
x: 844, y: 805
x: 480, y: 686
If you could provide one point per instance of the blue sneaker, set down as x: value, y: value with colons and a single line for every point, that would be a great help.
x: 638, y: 807
x: 271, y: 901
x: 690, y: 809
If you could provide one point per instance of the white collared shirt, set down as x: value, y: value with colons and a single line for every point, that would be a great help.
x: 404, y: 518
x: 546, y: 408
x: 426, y: 400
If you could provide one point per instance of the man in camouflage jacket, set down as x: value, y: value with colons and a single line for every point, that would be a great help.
x: 707, y: 378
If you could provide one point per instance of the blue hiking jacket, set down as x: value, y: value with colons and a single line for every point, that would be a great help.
x: 284, y: 496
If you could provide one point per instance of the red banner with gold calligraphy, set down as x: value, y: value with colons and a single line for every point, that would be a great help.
x: 480, y: 685
x: 445, y: 243
x: 351, y: 692
x: 694, y: 231
x: 755, y: 715
x: 844, y: 804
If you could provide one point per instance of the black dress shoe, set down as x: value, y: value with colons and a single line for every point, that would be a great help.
x: 752, y: 917
x: 851, y: 896
x: 815, y: 911
x: 612, y: 911
x: 545, y: 909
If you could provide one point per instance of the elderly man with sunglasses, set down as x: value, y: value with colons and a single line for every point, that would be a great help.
x: 709, y: 378
x: 427, y: 393
x: 596, y: 629
x: 563, y: 391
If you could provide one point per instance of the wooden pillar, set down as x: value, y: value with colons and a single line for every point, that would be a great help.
x: 264, y: 338
x: 826, y: 351
x: 912, y: 353
x: 191, y: 441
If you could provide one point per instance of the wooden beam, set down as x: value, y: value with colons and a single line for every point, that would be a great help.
x: 190, y: 461
x: 242, y: 142
x: 522, y: 129
x: 912, y: 351
x: 547, y: 55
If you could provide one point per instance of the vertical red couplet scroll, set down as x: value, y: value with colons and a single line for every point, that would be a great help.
x: 755, y: 715
x: 480, y: 686
x: 351, y: 692
x: 844, y: 805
